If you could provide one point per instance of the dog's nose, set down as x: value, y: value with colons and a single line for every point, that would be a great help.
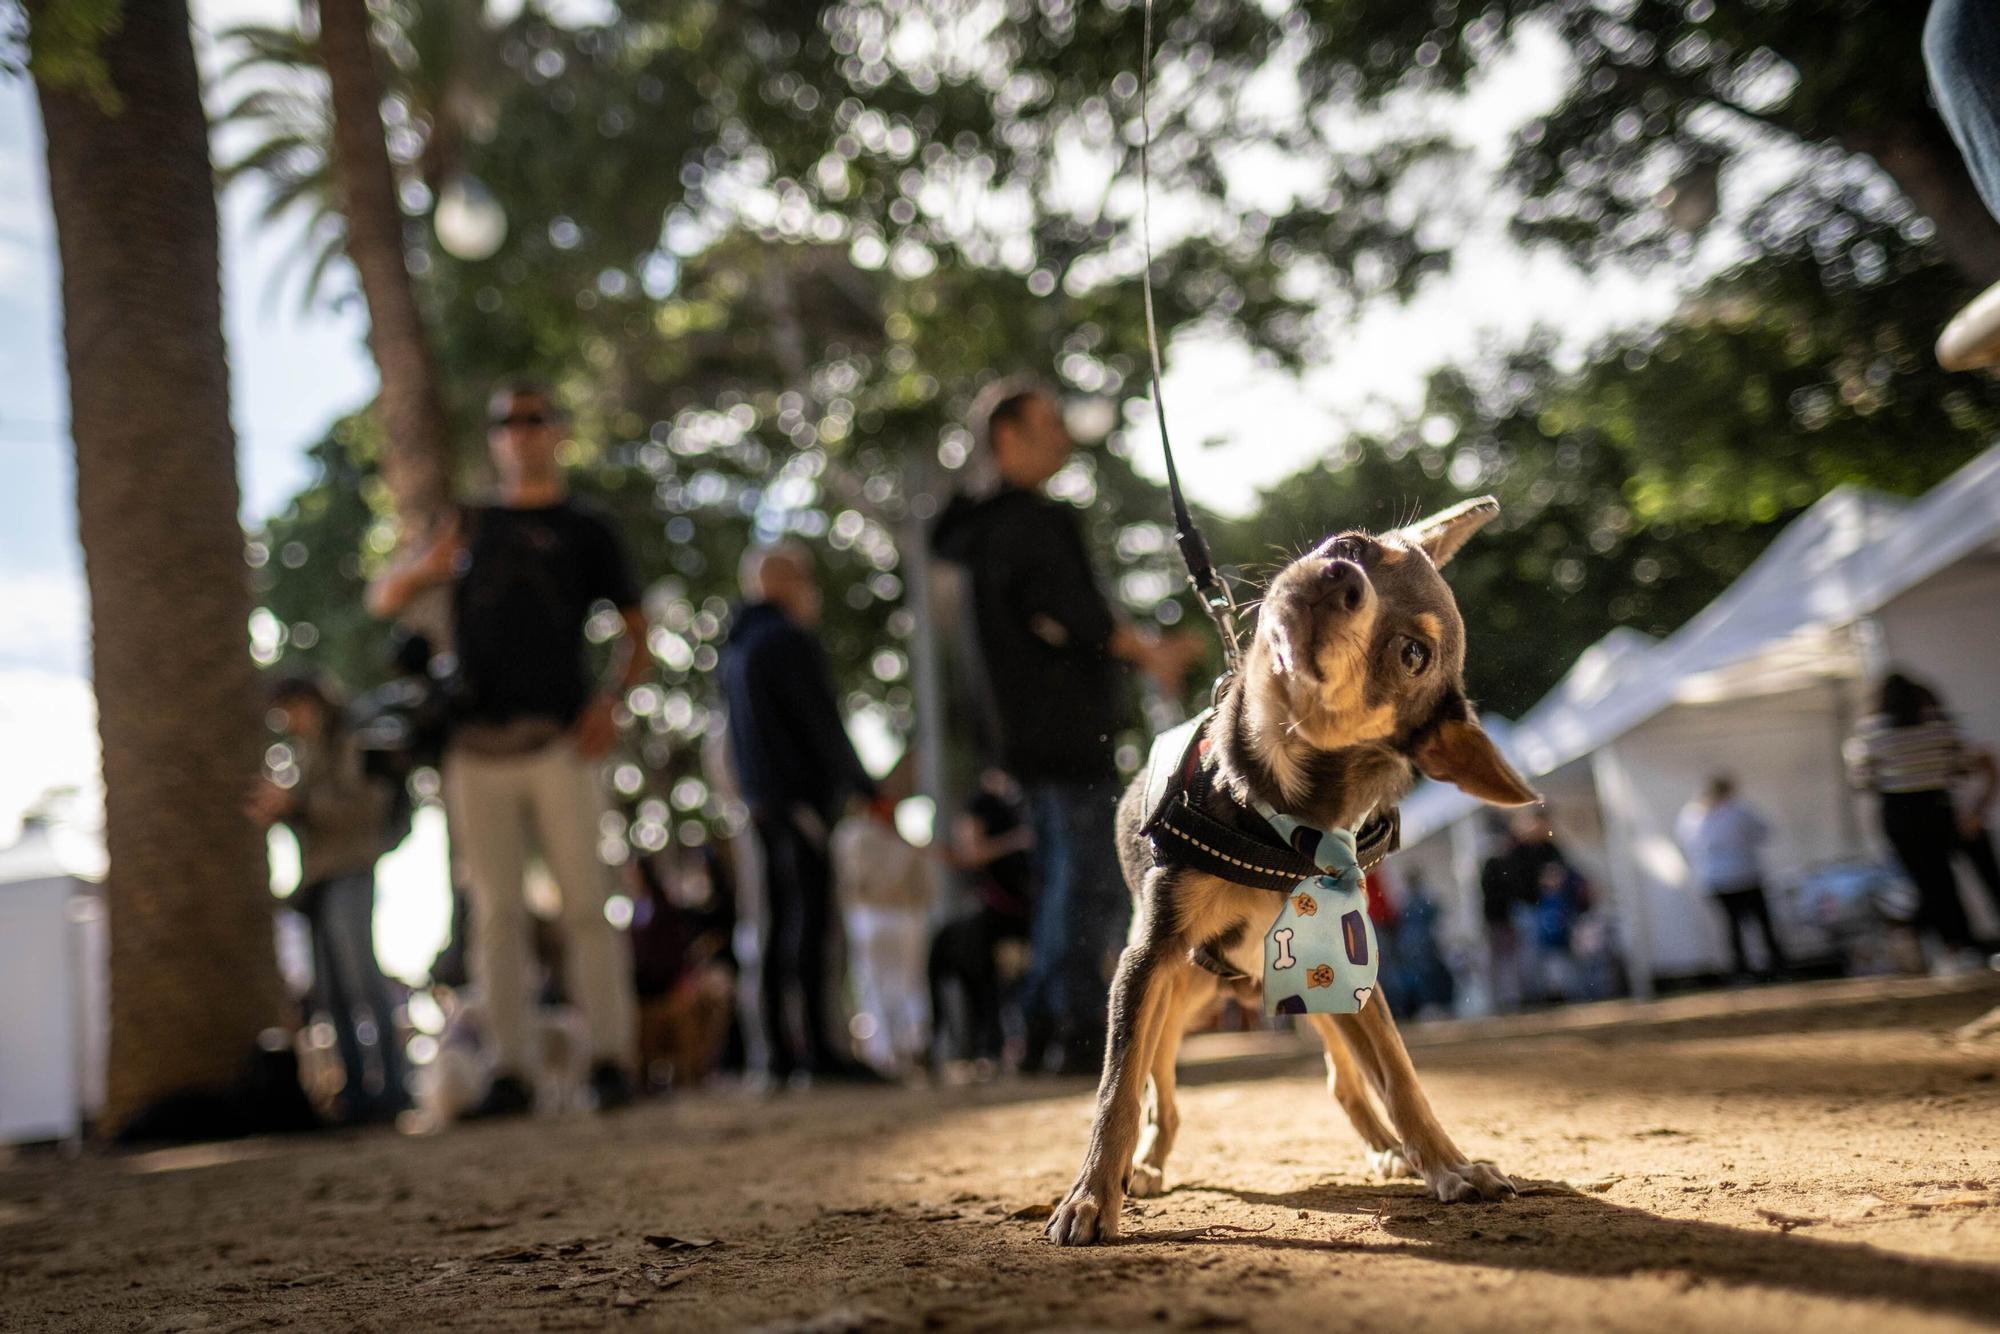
x: 1342, y: 583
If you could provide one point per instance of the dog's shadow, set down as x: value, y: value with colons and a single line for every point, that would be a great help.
x: 1576, y: 1235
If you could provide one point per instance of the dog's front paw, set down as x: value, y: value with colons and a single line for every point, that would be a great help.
x: 1390, y: 1164
x: 1456, y: 1183
x: 1084, y: 1218
x: 1146, y: 1182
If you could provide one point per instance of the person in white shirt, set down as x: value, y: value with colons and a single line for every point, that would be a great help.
x: 884, y: 890
x: 1720, y: 833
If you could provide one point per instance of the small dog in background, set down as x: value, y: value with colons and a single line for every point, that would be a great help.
x: 1353, y: 686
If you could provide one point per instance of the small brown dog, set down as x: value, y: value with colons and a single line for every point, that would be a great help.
x: 1353, y: 685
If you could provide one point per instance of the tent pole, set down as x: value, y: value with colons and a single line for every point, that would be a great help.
x: 1626, y: 882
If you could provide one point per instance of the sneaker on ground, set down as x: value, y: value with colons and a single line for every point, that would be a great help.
x: 1972, y: 340
x: 506, y: 1096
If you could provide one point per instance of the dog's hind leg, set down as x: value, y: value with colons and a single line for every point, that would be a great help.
x: 1378, y: 1049
x: 1140, y: 996
x: 1349, y: 1086
x: 1193, y: 990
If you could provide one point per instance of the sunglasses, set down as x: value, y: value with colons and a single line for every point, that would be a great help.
x: 522, y: 419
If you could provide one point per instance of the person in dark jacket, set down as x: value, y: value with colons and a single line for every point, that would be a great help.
x: 1055, y: 659
x: 796, y: 770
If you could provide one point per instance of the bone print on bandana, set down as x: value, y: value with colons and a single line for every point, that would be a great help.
x: 1321, y: 962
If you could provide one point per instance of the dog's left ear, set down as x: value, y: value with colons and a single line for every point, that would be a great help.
x: 1459, y: 752
x: 1445, y: 532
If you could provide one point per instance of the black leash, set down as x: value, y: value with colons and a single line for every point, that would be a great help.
x: 1208, y: 586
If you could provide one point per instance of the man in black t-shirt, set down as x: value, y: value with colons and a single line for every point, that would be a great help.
x: 529, y: 726
x: 1055, y: 657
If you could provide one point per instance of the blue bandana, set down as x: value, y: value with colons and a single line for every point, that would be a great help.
x: 1320, y: 955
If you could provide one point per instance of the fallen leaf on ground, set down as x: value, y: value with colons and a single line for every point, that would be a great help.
x: 667, y: 1242
x: 1031, y: 1212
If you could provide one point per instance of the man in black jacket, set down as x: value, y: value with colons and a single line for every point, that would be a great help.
x: 796, y: 769
x: 1055, y: 659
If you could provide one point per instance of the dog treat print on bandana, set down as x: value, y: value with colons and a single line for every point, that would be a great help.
x: 1319, y: 956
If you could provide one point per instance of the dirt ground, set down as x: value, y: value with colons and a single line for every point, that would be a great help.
x: 1819, y: 1157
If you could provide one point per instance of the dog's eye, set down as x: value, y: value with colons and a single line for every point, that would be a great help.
x: 1416, y: 657
x: 1352, y: 547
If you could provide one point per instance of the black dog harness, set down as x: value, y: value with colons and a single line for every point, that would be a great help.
x: 1196, y: 826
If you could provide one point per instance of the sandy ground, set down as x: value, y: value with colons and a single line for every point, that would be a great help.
x: 1821, y: 1157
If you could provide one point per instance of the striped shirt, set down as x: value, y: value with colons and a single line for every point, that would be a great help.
x: 1924, y: 758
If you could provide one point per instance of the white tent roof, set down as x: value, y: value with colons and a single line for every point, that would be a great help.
x: 1773, y: 629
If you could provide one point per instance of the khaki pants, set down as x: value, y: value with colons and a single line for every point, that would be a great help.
x: 502, y: 808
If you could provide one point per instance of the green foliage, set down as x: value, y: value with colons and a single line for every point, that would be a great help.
x: 769, y: 252
x: 57, y: 42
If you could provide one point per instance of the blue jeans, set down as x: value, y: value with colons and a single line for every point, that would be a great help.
x: 1081, y: 912
x: 351, y: 988
x: 1962, y: 53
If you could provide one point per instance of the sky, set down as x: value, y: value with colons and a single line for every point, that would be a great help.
x: 292, y: 370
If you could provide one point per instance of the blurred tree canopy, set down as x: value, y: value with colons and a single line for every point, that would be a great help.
x: 768, y: 250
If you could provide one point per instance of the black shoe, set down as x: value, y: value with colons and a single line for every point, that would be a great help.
x: 610, y: 1086
x: 507, y: 1096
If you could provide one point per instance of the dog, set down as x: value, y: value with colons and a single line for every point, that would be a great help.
x: 1352, y: 686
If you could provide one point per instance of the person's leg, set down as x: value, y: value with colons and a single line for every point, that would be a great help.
x: 1922, y: 833
x: 350, y: 909
x: 1100, y: 913
x: 778, y: 949
x: 1760, y: 908
x: 816, y: 927
x: 1041, y: 998
x: 568, y: 804
x: 1731, y: 901
x: 868, y: 944
x: 490, y: 819
x: 909, y: 1001
x: 1978, y: 850
x: 1962, y: 56
x: 331, y: 989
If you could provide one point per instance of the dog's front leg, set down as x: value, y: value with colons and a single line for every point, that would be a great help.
x: 1379, y: 1049
x: 1349, y: 1085
x: 1193, y: 989
x: 1141, y: 995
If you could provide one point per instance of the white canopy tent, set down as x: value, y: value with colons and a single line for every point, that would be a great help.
x: 53, y: 1022
x: 1763, y: 684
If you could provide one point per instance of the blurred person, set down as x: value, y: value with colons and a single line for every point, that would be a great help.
x: 884, y: 890
x: 1543, y: 897
x: 1961, y: 46
x: 1424, y: 980
x: 1499, y: 895
x: 1054, y: 658
x: 796, y: 770
x: 340, y: 816
x: 990, y: 844
x: 1720, y: 833
x: 528, y: 729
x: 1910, y: 753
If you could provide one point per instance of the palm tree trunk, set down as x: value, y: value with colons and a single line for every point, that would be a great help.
x: 193, y: 974
x: 417, y: 464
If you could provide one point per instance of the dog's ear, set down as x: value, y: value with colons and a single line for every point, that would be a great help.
x: 1445, y: 532
x: 1459, y: 752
